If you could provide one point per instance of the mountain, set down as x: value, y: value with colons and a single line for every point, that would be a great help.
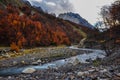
x: 76, y: 18
x: 28, y: 3
x: 25, y: 26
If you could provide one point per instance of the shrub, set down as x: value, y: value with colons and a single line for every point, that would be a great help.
x: 14, y: 47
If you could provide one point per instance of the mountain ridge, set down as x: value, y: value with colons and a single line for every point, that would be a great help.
x: 76, y: 18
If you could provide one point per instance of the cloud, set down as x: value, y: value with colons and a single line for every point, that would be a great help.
x: 50, y: 4
x: 54, y: 6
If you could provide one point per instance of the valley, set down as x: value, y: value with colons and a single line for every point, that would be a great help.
x: 36, y: 44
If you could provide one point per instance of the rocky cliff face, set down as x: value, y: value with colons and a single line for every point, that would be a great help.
x: 76, y: 18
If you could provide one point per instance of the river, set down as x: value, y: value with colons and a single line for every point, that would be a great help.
x: 58, y: 63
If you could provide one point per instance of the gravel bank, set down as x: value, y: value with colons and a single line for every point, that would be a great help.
x: 44, y: 54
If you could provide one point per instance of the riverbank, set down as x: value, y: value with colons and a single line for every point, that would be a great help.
x: 38, y: 56
x: 73, y: 72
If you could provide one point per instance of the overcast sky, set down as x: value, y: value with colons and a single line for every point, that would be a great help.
x: 88, y: 9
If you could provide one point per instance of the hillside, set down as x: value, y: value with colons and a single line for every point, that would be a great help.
x: 26, y: 26
x: 17, y: 3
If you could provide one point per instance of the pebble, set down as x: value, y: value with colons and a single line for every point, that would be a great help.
x: 39, y: 61
x: 91, y: 70
x: 108, y: 75
x: 6, y: 55
x: 72, y: 77
x: 117, y: 74
x: 103, y: 70
x: 9, y: 77
x: 34, y: 63
x: 86, y: 72
x: 23, y: 62
x: 14, y: 62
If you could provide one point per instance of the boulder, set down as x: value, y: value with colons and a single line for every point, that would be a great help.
x: 73, y: 61
x: 76, y: 61
x: 80, y: 74
x: 83, y: 73
x: 117, y: 74
x: 37, y: 62
x: 28, y: 70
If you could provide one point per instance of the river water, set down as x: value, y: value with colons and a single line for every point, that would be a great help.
x: 59, y: 63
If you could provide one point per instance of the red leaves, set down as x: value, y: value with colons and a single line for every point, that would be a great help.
x: 1, y: 12
x: 11, y: 9
x: 14, y: 47
x: 27, y: 31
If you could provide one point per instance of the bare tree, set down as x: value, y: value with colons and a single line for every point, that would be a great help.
x: 111, y: 19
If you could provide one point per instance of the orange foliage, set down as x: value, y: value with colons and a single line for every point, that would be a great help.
x: 118, y: 41
x: 14, y: 47
x: 29, y: 31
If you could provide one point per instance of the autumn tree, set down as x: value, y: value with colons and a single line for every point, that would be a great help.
x: 111, y: 18
x: 20, y: 28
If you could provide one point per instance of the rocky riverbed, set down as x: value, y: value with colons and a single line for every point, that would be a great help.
x: 76, y: 69
x: 77, y: 72
x: 38, y: 56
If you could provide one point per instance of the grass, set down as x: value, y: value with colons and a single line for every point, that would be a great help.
x: 50, y: 53
x: 82, y: 33
x: 42, y: 52
x: 78, y: 30
x: 96, y: 63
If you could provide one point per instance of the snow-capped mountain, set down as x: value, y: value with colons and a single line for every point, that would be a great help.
x: 76, y: 18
